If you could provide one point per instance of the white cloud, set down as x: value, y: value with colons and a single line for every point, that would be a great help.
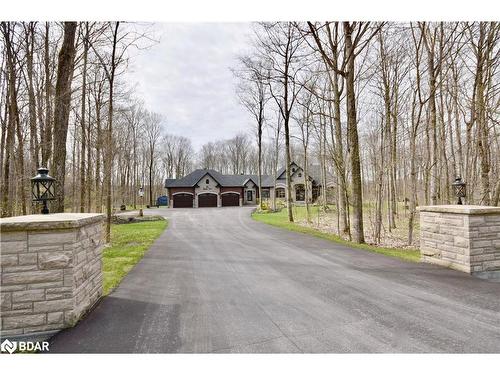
x: 187, y: 79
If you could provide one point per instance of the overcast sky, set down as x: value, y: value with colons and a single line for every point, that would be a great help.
x: 186, y: 77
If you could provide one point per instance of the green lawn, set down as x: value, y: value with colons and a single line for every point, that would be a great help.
x: 129, y: 242
x: 280, y: 219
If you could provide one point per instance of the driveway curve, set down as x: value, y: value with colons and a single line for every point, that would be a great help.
x: 217, y: 281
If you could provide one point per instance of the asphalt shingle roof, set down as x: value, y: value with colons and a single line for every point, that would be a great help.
x: 224, y: 179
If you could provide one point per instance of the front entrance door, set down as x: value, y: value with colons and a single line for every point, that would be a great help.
x: 249, y: 196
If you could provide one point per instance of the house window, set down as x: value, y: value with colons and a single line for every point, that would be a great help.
x: 300, y: 193
x: 280, y: 193
x: 300, y: 174
x: 249, y: 195
x: 207, y: 181
x: 265, y: 193
x: 293, y: 170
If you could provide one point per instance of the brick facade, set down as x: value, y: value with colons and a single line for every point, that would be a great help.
x: 237, y: 189
x: 172, y: 191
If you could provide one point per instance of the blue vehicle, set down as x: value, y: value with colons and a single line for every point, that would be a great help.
x: 162, y: 201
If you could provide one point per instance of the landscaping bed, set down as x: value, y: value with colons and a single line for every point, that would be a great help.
x: 128, y: 219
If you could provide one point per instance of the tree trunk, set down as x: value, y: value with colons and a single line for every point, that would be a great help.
x: 35, y: 163
x: 480, y: 116
x: 20, y: 159
x: 98, y: 184
x: 352, y: 135
x: 259, y: 145
x: 379, y: 188
x: 433, y: 167
x: 288, y: 177
x: 88, y: 179
x: 151, y: 179
x: 413, y: 179
x: 276, y: 160
x: 47, y: 131
x: 82, y: 120
x: 306, y: 185
x: 62, y: 108
x: 109, y: 134
x: 7, y: 32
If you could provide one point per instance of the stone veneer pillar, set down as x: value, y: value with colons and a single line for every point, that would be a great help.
x: 466, y: 238
x: 51, y: 271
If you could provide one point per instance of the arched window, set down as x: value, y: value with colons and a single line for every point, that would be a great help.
x: 280, y: 193
x: 207, y: 181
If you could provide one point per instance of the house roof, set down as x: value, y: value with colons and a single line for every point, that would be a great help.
x: 313, y: 172
x: 194, y: 177
x: 281, y: 171
x: 231, y: 180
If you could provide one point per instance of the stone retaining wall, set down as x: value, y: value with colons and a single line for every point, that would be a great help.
x: 466, y: 238
x: 51, y: 271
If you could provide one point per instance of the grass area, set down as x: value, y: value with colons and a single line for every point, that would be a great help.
x: 129, y: 242
x: 280, y: 219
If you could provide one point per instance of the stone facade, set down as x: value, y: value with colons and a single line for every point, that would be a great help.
x: 207, y: 185
x: 51, y: 271
x: 466, y: 238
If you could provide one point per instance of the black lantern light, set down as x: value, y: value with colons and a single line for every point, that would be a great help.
x: 459, y: 188
x: 141, y: 194
x: 42, y: 188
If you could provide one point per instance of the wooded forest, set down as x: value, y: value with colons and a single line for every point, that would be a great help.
x: 389, y: 113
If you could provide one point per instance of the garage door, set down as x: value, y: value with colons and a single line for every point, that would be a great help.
x: 183, y: 200
x: 230, y: 199
x: 207, y: 200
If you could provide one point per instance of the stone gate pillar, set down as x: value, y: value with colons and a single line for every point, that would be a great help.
x: 51, y: 271
x: 466, y: 238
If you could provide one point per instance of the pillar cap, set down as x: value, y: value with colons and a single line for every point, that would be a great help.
x: 51, y: 221
x: 461, y: 209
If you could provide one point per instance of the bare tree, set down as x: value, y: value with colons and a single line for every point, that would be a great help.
x: 13, y: 113
x: 118, y: 42
x: 253, y: 94
x: 152, y: 127
x: 330, y: 51
x: 279, y: 46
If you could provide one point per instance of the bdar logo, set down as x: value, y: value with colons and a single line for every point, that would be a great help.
x: 8, y: 346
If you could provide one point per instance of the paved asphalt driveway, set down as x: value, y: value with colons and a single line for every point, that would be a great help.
x: 217, y: 281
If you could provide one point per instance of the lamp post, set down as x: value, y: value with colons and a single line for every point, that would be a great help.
x: 141, y: 194
x: 459, y: 188
x: 42, y: 188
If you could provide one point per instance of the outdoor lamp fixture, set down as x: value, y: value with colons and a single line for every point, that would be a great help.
x: 42, y: 188
x: 459, y: 188
x: 141, y: 194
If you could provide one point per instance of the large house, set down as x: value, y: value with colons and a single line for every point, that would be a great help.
x: 209, y: 188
